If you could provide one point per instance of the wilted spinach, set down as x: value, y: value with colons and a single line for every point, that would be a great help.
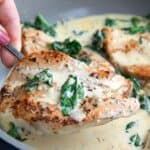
x: 144, y: 100
x: 78, y: 33
x: 14, y: 132
x: 136, y: 27
x: 135, y: 140
x: 70, y: 47
x: 71, y: 93
x: 42, y: 24
x: 110, y: 22
x: 147, y: 16
x: 84, y: 59
x: 130, y: 125
x: 97, y: 42
x: 44, y: 76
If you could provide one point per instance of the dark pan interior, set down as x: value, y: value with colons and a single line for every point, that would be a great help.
x: 57, y: 9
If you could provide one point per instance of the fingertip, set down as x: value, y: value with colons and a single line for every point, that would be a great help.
x: 17, y: 44
x: 7, y: 58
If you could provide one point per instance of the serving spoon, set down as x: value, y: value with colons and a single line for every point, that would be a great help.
x: 5, y: 42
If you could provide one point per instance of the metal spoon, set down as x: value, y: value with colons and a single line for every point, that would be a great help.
x: 5, y: 42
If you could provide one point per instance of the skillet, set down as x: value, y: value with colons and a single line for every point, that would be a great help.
x: 55, y: 10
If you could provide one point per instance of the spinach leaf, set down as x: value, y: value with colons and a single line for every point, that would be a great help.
x: 69, y: 47
x: 42, y: 24
x: 78, y: 33
x: 97, y: 39
x: 136, y: 27
x: 135, y: 21
x: 147, y: 28
x: 135, y: 82
x: 145, y: 102
x: 28, y: 24
x: 140, y: 40
x: 44, y: 76
x: 86, y: 60
x: 147, y: 16
x: 130, y: 125
x: 71, y: 93
x: 14, y: 132
x: 110, y: 22
x: 97, y: 43
x: 136, y: 85
x: 135, y: 140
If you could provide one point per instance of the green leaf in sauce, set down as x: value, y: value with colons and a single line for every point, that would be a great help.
x: 28, y: 24
x: 143, y: 99
x: 135, y: 140
x: 145, y: 102
x: 14, y: 132
x: 136, y: 27
x: 71, y: 93
x: 97, y: 39
x: 97, y: 43
x: 78, y: 33
x: 42, y: 24
x: 147, y: 16
x: 136, y: 85
x: 130, y: 125
x: 140, y: 40
x: 86, y: 60
x: 135, y: 82
x: 110, y: 22
x: 147, y: 28
x: 70, y: 47
x: 44, y: 76
x: 135, y: 21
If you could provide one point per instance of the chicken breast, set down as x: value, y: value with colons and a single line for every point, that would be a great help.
x: 147, y: 142
x: 34, y: 40
x: 146, y: 87
x: 55, y: 93
x: 130, y: 52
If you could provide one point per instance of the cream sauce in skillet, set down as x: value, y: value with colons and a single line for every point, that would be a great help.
x: 111, y: 136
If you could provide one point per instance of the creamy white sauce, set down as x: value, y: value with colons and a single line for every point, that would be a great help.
x: 111, y: 136
x: 77, y: 114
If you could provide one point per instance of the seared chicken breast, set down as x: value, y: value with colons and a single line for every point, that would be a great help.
x: 130, y: 52
x: 146, y: 87
x: 34, y: 40
x: 147, y: 143
x: 55, y: 93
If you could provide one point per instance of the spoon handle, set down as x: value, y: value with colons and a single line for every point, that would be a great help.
x: 5, y: 42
